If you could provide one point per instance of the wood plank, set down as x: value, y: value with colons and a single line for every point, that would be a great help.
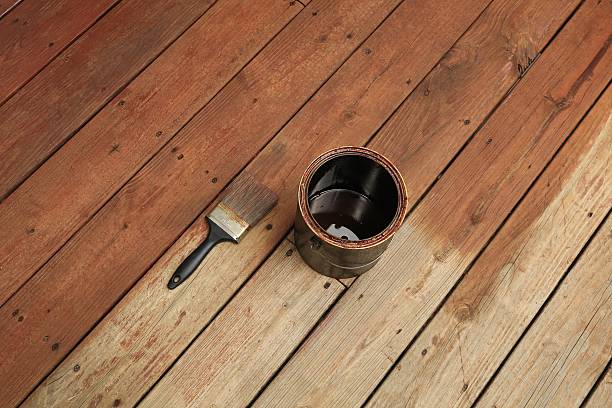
x: 108, y: 255
x: 566, y: 349
x: 240, y: 331
x: 122, y: 337
x: 128, y: 132
x: 37, y: 32
x: 602, y: 396
x: 83, y: 78
x: 352, y: 348
x: 451, y: 362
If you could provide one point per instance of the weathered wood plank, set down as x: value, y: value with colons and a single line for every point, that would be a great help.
x: 563, y: 353
x: 602, y: 396
x: 462, y: 347
x: 251, y: 335
x: 352, y: 348
x: 108, y: 255
x: 128, y: 132
x: 115, y: 360
x: 36, y: 32
x: 83, y: 78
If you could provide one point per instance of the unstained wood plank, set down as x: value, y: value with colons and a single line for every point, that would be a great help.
x: 108, y: 255
x: 563, y: 353
x: 37, y: 31
x: 124, y: 135
x: 459, y: 351
x: 119, y: 360
x: 602, y: 395
x: 261, y: 323
x: 47, y: 111
x: 358, y: 341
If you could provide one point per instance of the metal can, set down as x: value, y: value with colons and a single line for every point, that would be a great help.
x: 351, y: 201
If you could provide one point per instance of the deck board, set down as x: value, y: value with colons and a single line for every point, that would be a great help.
x: 160, y: 201
x: 462, y: 347
x: 353, y: 347
x: 495, y: 112
x: 36, y: 32
x: 562, y: 354
x: 83, y: 78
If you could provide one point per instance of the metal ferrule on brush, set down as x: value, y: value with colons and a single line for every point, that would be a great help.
x: 229, y: 221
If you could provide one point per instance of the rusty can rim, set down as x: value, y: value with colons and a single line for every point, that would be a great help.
x: 388, y: 232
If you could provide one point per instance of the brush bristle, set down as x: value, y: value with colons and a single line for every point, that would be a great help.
x: 249, y: 199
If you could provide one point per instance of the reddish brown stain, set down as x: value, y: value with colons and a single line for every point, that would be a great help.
x: 95, y: 401
x: 180, y: 318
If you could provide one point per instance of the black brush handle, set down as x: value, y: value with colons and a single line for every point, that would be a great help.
x: 191, y: 263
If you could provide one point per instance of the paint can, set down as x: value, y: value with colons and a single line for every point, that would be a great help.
x: 351, y: 201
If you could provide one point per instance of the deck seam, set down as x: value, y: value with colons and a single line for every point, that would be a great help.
x: 10, y: 9
x: 596, y: 384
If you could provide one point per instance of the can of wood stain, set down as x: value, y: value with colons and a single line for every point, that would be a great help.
x: 351, y: 201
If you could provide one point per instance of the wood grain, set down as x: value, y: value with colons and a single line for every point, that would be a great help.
x: 83, y: 78
x: 566, y: 349
x: 108, y: 255
x: 115, y: 360
x: 38, y: 31
x: 234, y: 357
x: 352, y: 348
x: 465, y: 343
x: 124, y: 135
x: 6, y: 6
x: 602, y: 395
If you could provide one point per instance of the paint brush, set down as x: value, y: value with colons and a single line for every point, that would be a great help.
x: 245, y: 203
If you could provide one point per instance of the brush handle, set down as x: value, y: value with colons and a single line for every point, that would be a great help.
x: 191, y: 263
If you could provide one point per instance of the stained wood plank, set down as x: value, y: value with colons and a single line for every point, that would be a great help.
x: 352, y: 348
x: 462, y: 347
x: 602, y: 396
x: 128, y: 132
x: 115, y: 360
x: 83, y: 78
x: 108, y: 255
x: 37, y: 31
x: 568, y: 346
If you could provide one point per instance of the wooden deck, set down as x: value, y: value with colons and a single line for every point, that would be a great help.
x: 123, y: 121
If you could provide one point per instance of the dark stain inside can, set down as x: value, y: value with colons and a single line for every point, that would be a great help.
x: 352, y: 197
